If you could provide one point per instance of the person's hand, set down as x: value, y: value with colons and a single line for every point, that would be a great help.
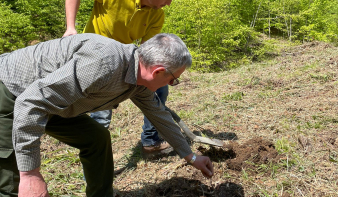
x: 203, y: 164
x: 32, y: 184
x: 69, y: 32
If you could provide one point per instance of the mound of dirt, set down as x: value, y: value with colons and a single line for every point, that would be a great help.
x: 249, y: 155
x: 255, y: 151
x: 252, y: 153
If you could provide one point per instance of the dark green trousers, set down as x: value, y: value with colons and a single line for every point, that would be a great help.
x: 9, y: 174
x: 82, y: 132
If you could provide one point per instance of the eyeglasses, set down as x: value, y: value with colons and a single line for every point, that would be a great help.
x: 175, y: 81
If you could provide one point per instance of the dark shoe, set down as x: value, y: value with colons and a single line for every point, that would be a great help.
x: 160, y: 148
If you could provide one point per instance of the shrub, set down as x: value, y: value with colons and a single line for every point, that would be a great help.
x: 217, y: 38
x: 16, y: 30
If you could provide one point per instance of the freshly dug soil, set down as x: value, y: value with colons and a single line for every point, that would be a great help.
x: 256, y: 151
x: 252, y: 153
x: 249, y: 155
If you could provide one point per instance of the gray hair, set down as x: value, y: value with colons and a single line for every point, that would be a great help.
x: 167, y: 50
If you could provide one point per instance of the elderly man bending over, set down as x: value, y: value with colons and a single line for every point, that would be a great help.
x: 51, y: 86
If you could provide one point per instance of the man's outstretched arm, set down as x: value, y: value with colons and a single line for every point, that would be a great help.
x: 72, y: 6
x: 163, y: 122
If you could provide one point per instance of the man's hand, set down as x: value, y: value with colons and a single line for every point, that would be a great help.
x: 202, y: 163
x: 32, y: 184
x: 70, y: 32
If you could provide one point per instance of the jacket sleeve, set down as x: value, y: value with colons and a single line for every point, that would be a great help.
x: 153, y: 109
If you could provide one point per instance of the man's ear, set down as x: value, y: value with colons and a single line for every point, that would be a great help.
x: 157, y: 69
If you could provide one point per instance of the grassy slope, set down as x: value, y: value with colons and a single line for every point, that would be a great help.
x: 291, y: 100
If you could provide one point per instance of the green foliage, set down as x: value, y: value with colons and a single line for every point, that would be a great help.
x: 220, y: 35
x: 15, y: 31
x: 224, y: 34
x: 47, y: 17
x: 83, y: 14
x: 197, y: 25
x: 303, y: 20
x: 217, y: 37
x: 23, y: 21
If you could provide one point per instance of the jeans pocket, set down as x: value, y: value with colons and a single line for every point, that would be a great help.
x: 5, y: 153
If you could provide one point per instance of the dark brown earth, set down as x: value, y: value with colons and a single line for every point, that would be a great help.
x: 237, y: 156
x: 249, y: 155
x: 192, y: 188
x: 254, y: 152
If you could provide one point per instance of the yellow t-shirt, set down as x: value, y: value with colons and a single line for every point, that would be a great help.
x: 124, y: 20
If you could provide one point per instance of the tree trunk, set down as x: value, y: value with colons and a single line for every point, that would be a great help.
x: 269, y: 22
x: 286, y: 23
x: 290, y: 28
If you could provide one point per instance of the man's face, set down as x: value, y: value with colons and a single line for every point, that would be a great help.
x: 162, y: 78
x: 157, y: 4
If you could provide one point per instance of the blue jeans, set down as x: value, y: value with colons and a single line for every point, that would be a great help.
x: 102, y: 117
x: 149, y: 135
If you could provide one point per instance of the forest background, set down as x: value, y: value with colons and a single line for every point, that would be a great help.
x: 220, y: 34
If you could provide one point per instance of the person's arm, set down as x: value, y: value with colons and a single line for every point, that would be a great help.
x: 72, y: 6
x: 162, y: 120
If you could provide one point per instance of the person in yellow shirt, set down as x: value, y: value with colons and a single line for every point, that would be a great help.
x: 125, y: 21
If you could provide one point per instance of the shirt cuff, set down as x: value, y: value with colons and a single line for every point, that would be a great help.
x: 28, y: 161
x: 183, y: 150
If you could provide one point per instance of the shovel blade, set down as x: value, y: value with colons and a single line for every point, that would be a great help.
x: 204, y: 140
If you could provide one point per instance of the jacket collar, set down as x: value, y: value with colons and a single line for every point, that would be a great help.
x: 131, y: 75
